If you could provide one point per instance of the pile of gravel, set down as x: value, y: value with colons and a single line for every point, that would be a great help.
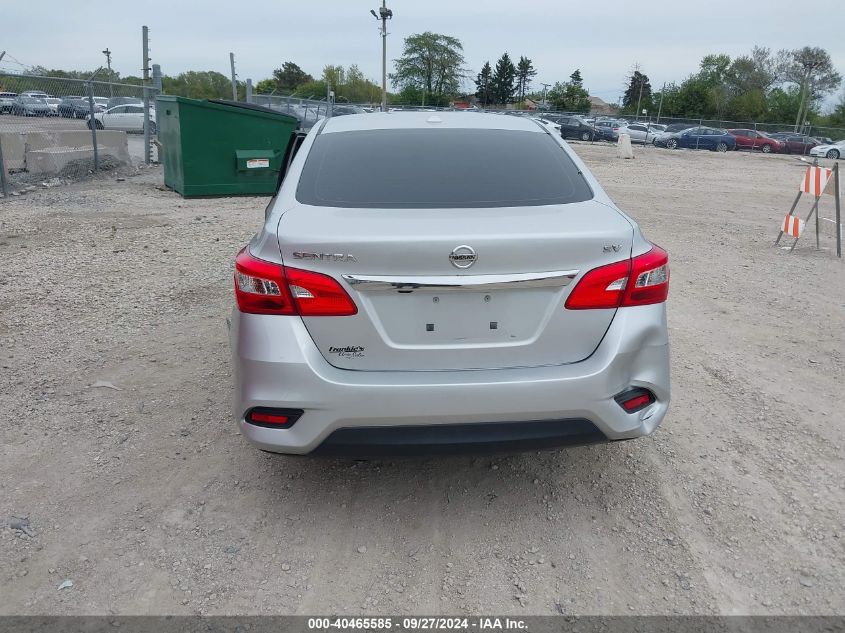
x: 82, y: 167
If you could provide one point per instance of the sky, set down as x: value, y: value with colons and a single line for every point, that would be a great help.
x: 604, y: 40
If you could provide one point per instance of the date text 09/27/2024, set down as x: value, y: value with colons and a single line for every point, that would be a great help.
x: 417, y: 624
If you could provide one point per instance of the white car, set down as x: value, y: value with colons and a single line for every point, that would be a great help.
x: 640, y: 132
x: 836, y: 150
x: 129, y: 118
x: 53, y: 102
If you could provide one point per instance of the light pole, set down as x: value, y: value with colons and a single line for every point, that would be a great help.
x: 544, y: 93
x: 384, y: 14
x: 107, y: 53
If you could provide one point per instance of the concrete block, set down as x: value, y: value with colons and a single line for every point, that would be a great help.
x: 623, y: 147
x: 14, y: 146
x: 17, y: 146
x: 51, y: 160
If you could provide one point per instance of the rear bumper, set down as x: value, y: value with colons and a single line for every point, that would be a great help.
x: 480, y: 437
x: 277, y: 365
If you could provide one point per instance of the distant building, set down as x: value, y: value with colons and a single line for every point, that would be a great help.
x: 600, y: 106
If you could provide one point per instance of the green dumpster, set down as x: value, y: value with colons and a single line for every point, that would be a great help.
x: 214, y: 148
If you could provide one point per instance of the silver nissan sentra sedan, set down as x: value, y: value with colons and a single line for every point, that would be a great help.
x: 439, y: 282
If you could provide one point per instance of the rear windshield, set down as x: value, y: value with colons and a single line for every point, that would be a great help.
x: 446, y: 168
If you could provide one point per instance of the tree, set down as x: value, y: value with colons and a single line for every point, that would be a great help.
x: 503, y: 80
x: 432, y: 62
x: 199, y: 85
x: 289, y: 77
x: 570, y: 96
x: 525, y: 71
x: 483, y: 87
x: 638, y: 91
x: 812, y: 70
x: 837, y: 117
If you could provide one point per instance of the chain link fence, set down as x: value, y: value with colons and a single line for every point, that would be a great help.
x: 64, y: 128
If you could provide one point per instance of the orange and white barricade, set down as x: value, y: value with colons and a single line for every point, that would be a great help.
x: 817, y: 181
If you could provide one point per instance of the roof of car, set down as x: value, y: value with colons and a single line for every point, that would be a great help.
x: 439, y: 120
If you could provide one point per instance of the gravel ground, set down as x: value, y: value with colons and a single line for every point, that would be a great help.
x: 123, y: 472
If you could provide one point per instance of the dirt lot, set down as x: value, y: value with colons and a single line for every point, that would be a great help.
x: 148, y: 500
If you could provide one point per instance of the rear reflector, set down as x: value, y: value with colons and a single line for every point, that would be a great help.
x: 610, y: 286
x: 272, y: 418
x: 263, y: 287
x: 635, y: 399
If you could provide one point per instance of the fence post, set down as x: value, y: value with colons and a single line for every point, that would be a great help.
x: 836, y: 193
x: 147, y: 139
x: 249, y: 90
x: 92, y: 122
x: 3, y: 186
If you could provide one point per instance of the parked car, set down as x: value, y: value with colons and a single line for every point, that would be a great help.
x: 792, y: 143
x: 656, y: 127
x: 576, y: 127
x: 753, y: 139
x: 678, y: 127
x: 6, y: 101
x: 30, y: 106
x: 824, y: 140
x: 116, y: 101
x: 698, y: 138
x: 344, y: 109
x: 103, y: 102
x: 640, y: 132
x: 834, y: 150
x: 393, y: 316
x: 610, y: 124
x: 75, y: 108
x: 53, y: 102
x: 129, y: 118
x: 37, y: 94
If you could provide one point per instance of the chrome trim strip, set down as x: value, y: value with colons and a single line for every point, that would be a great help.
x: 470, y: 283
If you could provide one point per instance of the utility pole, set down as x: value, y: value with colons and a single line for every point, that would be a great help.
x: 640, y: 98
x: 2, y: 55
x: 660, y: 107
x: 544, y: 92
x: 145, y: 40
x: 384, y: 14
x: 234, y: 77
x: 107, y: 53
x: 145, y: 43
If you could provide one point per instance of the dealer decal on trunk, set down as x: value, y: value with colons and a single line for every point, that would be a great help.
x: 350, y: 351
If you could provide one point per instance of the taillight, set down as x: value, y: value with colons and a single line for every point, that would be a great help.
x: 272, y: 418
x: 611, y: 286
x: 635, y: 399
x: 262, y: 287
x: 318, y: 295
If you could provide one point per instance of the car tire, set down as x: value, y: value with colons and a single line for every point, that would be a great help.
x: 97, y: 124
x: 722, y: 147
x: 832, y: 153
x: 766, y: 149
x: 585, y: 136
x: 672, y: 143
